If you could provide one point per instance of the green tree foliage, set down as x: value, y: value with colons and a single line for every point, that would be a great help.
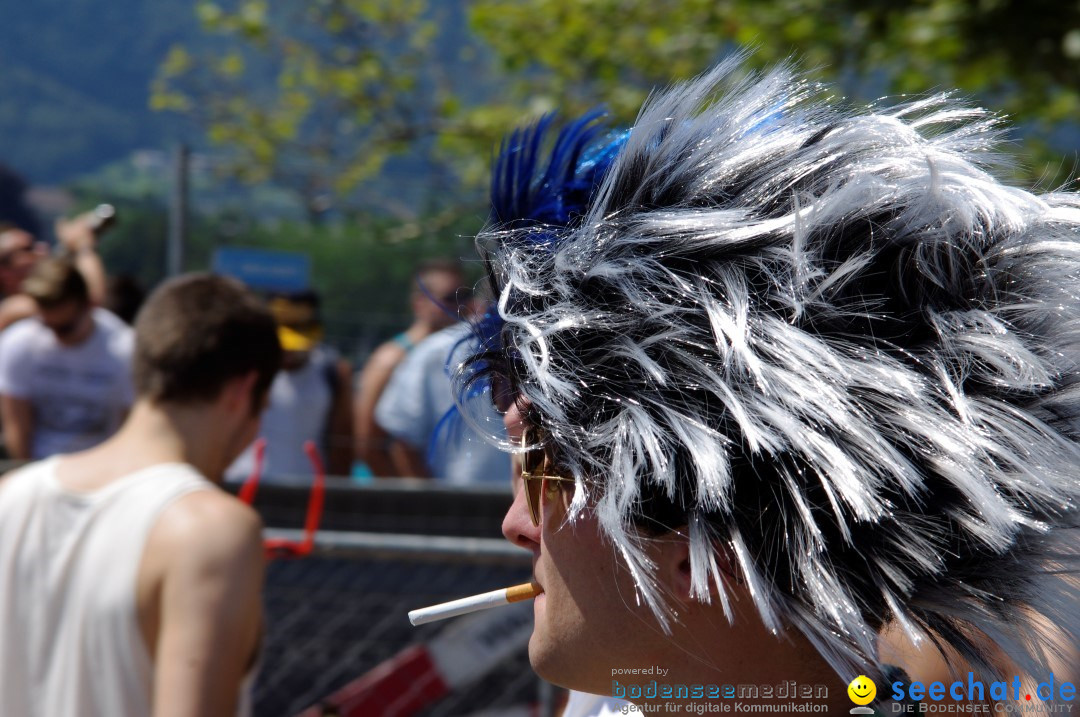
x: 325, y: 94
x: 1021, y: 57
x: 314, y: 95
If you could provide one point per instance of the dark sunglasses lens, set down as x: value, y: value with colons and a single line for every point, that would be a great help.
x: 532, y: 461
x: 502, y: 395
x: 533, y: 486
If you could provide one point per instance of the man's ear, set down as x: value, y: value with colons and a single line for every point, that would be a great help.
x: 673, y: 563
x: 236, y: 394
x: 672, y: 554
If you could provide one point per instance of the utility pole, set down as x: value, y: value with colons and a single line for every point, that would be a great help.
x: 178, y: 212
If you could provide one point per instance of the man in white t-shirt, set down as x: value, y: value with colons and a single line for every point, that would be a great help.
x: 65, y: 374
x: 412, y: 409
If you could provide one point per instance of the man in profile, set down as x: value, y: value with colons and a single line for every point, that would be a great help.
x: 133, y: 581
x: 783, y: 376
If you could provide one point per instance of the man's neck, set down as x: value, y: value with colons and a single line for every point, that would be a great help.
x: 800, y: 676
x: 82, y: 334
x: 155, y: 434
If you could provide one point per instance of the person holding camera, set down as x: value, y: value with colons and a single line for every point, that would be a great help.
x: 20, y: 252
x: 65, y: 381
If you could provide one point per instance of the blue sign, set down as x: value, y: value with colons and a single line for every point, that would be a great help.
x: 266, y: 269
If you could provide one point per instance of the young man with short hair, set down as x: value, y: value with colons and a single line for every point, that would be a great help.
x: 784, y: 376
x: 132, y: 581
x: 65, y: 373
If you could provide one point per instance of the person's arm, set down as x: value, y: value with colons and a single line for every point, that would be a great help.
x: 17, y: 415
x: 372, y: 442
x: 340, y: 429
x: 78, y: 237
x: 92, y: 268
x: 16, y: 410
x: 16, y: 308
x: 210, y: 611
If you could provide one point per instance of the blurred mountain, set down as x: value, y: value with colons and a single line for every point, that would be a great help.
x: 74, y: 81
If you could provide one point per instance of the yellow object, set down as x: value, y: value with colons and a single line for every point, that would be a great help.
x: 527, y: 591
x: 298, y: 339
x: 862, y: 690
x: 298, y: 324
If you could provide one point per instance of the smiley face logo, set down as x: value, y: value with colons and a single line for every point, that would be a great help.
x: 862, y: 690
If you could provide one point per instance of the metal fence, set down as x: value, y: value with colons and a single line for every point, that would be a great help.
x: 386, y: 548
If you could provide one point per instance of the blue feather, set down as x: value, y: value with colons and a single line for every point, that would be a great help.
x: 525, y: 193
x: 529, y: 189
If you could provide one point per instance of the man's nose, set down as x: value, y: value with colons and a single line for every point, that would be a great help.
x: 517, y: 526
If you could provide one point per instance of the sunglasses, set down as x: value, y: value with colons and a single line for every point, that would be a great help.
x: 502, y: 393
x: 536, y: 468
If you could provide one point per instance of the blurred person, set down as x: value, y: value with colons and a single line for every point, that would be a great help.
x: 783, y: 376
x: 415, y: 409
x: 133, y: 580
x: 434, y: 299
x: 65, y: 382
x: 20, y: 253
x: 309, y: 399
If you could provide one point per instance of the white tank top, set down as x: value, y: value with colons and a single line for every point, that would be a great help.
x: 70, y: 642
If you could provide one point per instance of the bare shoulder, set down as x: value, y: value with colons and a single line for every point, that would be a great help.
x: 16, y: 308
x: 18, y: 305
x: 209, y: 526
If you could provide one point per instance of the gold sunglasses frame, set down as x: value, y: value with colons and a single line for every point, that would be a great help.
x: 533, y: 462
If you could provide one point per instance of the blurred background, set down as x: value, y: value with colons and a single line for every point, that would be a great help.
x: 334, y: 144
x: 360, y: 132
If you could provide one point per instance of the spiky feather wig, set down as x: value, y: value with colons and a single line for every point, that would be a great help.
x: 826, y: 342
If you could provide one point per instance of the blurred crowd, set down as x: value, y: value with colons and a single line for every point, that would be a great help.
x: 66, y: 351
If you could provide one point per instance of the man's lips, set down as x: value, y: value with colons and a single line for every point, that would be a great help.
x: 535, y: 565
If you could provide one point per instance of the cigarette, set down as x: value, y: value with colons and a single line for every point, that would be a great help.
x: 483, y: 601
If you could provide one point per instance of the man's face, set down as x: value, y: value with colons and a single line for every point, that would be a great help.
x: 588, y: 608
x: 435, y: 300
x: 245, y: 422
x: 68, y: 321
x: 294, y: 360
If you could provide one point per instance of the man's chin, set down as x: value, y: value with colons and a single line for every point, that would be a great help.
x: 556, y: 664
x: 543, y: 659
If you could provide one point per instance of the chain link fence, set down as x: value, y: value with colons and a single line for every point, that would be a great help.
x: 386, y: 548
